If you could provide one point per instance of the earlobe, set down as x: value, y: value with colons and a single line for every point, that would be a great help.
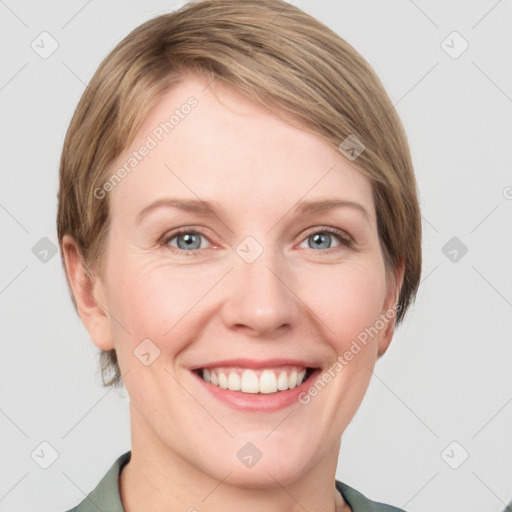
x: 88, y: 295
x: 390, y: 309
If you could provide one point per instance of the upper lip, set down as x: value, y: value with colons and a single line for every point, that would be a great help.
x: 255, y: 363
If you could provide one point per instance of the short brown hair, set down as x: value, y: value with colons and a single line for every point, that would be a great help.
x: 275, y: 54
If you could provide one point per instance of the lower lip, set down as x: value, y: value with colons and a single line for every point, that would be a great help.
x: 258, y: 401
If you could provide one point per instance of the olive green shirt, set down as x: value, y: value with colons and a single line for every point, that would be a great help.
x: 105, y: 497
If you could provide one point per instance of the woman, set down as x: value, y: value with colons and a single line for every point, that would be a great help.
x: 240, y: 229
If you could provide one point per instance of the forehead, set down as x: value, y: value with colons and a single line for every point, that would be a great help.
x: 213, y: 143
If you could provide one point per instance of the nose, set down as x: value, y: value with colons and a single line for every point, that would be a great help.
x: 260, y: 301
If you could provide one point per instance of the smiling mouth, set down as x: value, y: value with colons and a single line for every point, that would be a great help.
x: 256, y: 381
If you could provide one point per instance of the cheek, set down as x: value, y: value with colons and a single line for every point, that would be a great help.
x: 347, y: 298
x: 153, y: 300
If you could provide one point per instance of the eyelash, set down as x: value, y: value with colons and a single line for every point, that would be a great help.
x: 343, y: 238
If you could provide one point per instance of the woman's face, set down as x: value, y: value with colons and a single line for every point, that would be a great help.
x: 259, y: 287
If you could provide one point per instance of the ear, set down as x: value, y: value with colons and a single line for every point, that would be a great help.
x: 88, y: 293
x: 389, y: 310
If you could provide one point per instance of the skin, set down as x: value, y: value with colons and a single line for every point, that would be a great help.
x: 293, y: 301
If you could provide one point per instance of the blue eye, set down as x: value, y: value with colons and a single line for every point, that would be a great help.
x: 189, y: 242
x: 323, y: 239
x: 186, y: 240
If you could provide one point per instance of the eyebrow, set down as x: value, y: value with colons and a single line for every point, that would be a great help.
x: 189, y: 205
x: 203, y: 207
x: 309, y: 207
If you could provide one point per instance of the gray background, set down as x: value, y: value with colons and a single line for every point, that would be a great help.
x: 447, y: 375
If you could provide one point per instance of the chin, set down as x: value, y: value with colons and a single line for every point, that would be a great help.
x: 263, y: 464
x: 264, y: 476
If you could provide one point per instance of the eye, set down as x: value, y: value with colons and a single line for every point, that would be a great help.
x: 189, y: 241
x: 185, y: 240
x: 323, y: 239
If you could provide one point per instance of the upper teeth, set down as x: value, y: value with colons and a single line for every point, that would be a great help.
x: 251, y: 381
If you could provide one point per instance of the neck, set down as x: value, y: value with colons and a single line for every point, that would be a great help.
x: 157, y: 479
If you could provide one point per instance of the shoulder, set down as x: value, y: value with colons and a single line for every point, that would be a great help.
x: 360, y: 503
x: 105, y: 496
